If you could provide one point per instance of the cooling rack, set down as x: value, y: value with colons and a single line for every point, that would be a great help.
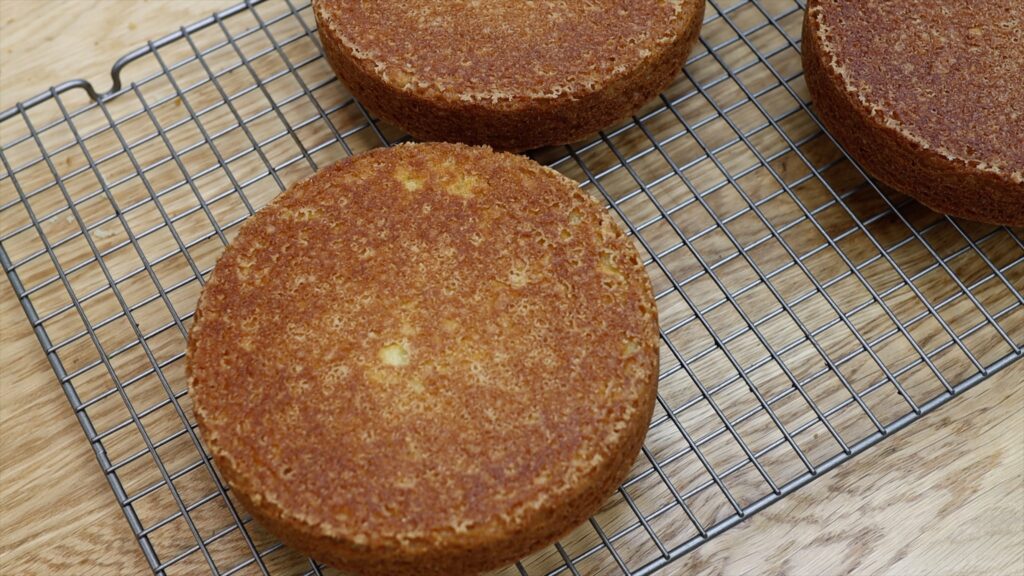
x: 805, y: 313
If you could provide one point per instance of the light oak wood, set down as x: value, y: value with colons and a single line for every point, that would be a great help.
x: 57, y: 513
x: 945, y: 496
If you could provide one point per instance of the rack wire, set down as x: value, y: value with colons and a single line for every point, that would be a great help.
x: 805, y: 313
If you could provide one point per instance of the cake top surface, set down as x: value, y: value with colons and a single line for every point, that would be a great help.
x: 507, y: 49
x: 420, y: 342
x: 947, y: 73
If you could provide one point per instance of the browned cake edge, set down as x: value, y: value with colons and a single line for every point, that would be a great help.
x: 517, y: 126
x: 951, y: 186
x: 486, y: 552
x: 468, y: 552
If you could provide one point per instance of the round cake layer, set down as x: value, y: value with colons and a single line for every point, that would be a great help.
x: 928, y: 96
x: 512, y: 74
x: 428, y: 359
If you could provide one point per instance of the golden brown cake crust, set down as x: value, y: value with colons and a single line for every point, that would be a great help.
x: 429, y: 359
x: 507, y: 73
x: 926, y: 95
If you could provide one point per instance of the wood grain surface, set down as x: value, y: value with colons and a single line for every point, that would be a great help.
x: 57, y: 513
x: 945, y: 496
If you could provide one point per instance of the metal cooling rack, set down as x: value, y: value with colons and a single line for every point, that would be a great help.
x: 805, y: 314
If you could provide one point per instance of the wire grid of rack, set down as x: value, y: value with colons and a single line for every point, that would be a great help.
x: 805, y: 314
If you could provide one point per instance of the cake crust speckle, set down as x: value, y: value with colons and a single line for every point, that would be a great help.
x: 429, y: 359
x: 927, y: 97
x: 515, y: 75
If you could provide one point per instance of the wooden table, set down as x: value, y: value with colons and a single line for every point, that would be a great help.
x: 945, y: 496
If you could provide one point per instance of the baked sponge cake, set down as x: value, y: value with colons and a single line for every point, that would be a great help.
x: 509, y: 73
x: 927, y: 95
x: 428, y: 359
